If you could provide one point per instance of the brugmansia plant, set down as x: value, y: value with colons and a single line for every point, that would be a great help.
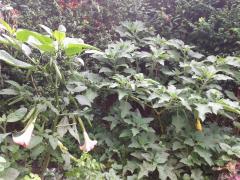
x: 165, y: 95
x: 43, y: 93
x: 152, y: 100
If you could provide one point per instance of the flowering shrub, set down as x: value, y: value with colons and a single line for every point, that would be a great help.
x: 45, y: 99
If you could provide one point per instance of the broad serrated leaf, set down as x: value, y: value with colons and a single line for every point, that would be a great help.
x: 178, y: 122
x: 215, y: 107
x: 196, y: 174
x: 205, y: 154
x: 166, y: 172
x: 121, y: 94
x: 161, y: 157
x: 125, y: 108
x: 203, y: 109
x: 146, y: 168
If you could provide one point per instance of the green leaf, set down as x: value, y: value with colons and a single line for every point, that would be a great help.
x: 23, y: 35
x: 178, y: 122
x: 161, y: 157
x: 121, y: 94
x: 125, y: 133
x: 63, y: 126
x: 222, y: 77
x: 236, y: 124
x: 177, y: 145
x: 130, y: 166
x: 59, y: 36
x: 195, y: 55
x: 196, y: 174
x: 7, y: 58
x: 125, y: 108
x: 215, y: 107
x: 75, y: 49
x: 205, y: 154
x: 83, y: 100
x: 166, y: 171
x: 8, y: 92
x: 53, y: 141
x: 225, y: 147
x: 145, y: 168
x: 6, y: 26
x: 91, y: 95
x: 26, y: 49
x: 36, y: 40
x: 35, y: 152
x: 35, y: 141
x: 47, y: 29
x: 3, y: 136
x: 233, y: 61
x: 76, y: 87
x: 189, y: 141
x: 2, y: 160
x: 203, y: 109
x: 43, y: 48
x: 135, y: 131
x: 10, y: 174
x: 74, y: 132
x: 17, y: 115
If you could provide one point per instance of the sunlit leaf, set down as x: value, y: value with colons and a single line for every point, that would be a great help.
x: 7, y: 58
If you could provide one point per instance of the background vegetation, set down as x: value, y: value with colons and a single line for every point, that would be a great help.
x: 154, y: 84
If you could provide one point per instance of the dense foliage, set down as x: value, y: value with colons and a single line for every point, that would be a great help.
x: 213, y: 26
x: 154, y: 107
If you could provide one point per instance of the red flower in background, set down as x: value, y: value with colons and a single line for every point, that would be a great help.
x: 9, y: 14
x: 15, y: 13
x: 71, y: 4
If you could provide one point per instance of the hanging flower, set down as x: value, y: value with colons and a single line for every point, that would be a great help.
x: 25, y: 138
x: 198, y: 125
x: 88, y: 144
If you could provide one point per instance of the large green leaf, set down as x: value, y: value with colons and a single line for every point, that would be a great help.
x: 34, y: 42
x: 205, y: 154
x: 23, y: 35
x: 7, y: 58
x: 17, y: 115
x: 74, y: 49
x: 166, y: 172
x: 83, y: 100
x: 203, y: 109
x: 10, y: 174
x: 146, y: 168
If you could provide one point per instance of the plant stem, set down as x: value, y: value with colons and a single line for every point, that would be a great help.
x: 81, y: 124
x: 45, y: 163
